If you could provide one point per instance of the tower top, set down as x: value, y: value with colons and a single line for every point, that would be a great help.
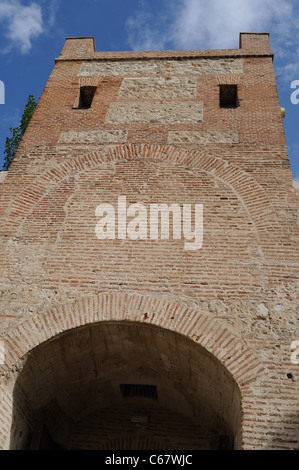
x: 79, y: 48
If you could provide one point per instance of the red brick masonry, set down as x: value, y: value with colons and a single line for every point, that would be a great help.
x: 155, y: 132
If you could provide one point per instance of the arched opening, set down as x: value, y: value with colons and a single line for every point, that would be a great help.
x: 124, y: 386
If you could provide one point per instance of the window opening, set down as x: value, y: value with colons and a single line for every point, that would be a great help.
x: 228, y: 96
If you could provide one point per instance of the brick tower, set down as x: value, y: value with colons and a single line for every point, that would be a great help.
x: 114, y: 336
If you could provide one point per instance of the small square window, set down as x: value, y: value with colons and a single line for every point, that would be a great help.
x: 86, y: 96
x: 229, y: 96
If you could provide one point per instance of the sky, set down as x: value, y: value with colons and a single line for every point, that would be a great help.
x: 32, y: 34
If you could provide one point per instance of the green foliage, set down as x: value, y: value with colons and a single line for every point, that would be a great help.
x: 12, y: 142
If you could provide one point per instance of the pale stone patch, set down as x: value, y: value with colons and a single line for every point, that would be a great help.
x: 155, y: 113
x: 158, y: 88
x: 3, y: 175
x: 262, y: 311
x: 296, y: 185
x: 93, y: 136
x: 201, y: 66
x: 203, y: 137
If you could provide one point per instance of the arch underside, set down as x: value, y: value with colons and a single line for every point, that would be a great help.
x: 75, y: 359
x: 126, y: 385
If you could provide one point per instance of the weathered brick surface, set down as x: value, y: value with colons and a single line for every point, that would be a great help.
x: 156, y: 134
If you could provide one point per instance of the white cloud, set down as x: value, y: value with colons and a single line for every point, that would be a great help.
x: 217, y: 23
x: 21, y: 24
x: 213, y: 24
x: 290, y: 71
x: 144, y: 31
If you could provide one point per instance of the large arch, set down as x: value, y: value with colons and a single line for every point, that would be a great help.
x: 194, y: 337
x: 197, y: 331
x: 94, y: 386
x: 249, y: 192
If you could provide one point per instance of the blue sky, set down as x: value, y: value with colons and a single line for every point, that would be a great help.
x: 32, y: 34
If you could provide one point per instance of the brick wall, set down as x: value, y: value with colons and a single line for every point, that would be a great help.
x: 155, y: 133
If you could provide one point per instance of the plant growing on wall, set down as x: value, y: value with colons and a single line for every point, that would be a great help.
x: 12, y: 142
